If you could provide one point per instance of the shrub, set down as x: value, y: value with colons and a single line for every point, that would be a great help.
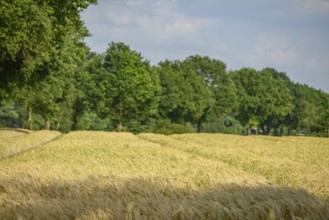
x: 165, y: 126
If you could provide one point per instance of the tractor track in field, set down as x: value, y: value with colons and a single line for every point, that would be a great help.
x: 19, y: 149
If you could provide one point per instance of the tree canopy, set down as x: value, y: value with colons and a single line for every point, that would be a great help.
x: 32, y: 32
x: 132, y: 87
x: 50, y: 79
x: 264, y: 99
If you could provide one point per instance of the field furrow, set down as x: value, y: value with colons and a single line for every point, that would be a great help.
x: 13, y: 142
x: 102, y: 175
x: 235, y: 151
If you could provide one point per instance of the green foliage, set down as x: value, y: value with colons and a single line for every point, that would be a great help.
x: 37, y: 121
x: 89, y: 110
x: 132, y: 87
x: 165, y: 126
x: 91, y: 121
x: 311, y: 111
x: 185, y: 95
x: 223, y: 124
x: 49, y: 79
x: 9, y: 116
x: 26, y: 34
x: 321, y: 128
x: 13, y: 114
x: 265, y: 100
x: 218, y: 81
x: 31, y: 32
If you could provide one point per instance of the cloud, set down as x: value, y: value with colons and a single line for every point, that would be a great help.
x: 287, y: 54
x: 317, y: 66
x: 314, y: 6
x: 291, y: 36
x: 156, y: 27
x: 273, y: 48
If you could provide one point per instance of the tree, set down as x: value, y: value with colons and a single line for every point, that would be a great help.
x: 185, y: 94
x: 133, y: 88
x: 311, y: 110
x: 264, y: 100
x: 52, y: 89
x: 218, y: 80
x: 249, y: 93
x: 31, y: 31
x: 91, y: 112
x: 11, y: 114
x: 281, y: 101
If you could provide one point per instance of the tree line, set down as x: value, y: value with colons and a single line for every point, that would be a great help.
x: 51, y: 80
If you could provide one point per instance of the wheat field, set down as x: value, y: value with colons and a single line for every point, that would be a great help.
x: 17, y: 141
x: 103, y: 175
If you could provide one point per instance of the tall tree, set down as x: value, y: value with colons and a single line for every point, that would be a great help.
x: 264, y: 100
x: 283, y: 103
x: 312, y: 108
x: 133, y: 87
x: 218, y: 80
x: 185, y: 94
x: 91, y: 112
x: 52, y: 89
x: 30, y: 32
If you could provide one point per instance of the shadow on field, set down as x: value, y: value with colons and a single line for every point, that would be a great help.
x: 119, y: 198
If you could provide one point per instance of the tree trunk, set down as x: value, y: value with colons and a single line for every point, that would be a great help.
x: 47, y: 124
x: 267, y: 130
x: 281, y: 131
x: 57, y: 126
x: 30, y: 118
x: 59, y: 119
x: 198, y: 126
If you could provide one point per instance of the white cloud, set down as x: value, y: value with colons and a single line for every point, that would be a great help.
x: 273, y: 48
x: 314, y: 6
x: 154, y: 26
x: 288, y: 40
x: 288, y: 55
x: 314, y: 70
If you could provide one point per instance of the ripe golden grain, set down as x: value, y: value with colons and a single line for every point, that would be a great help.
x: 13, y: 142
x: 291, y: 161
x: 101, y: 175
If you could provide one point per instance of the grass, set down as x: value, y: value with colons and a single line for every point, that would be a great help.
x: 102, y: 175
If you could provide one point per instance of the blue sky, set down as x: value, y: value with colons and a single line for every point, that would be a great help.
x: 291, y: 36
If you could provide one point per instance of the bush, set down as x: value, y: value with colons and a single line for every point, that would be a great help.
x: 223, y: 124
x: 91, y: 121
x: 166, y: 127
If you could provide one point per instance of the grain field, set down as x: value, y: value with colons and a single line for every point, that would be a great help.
x: 103, y: 175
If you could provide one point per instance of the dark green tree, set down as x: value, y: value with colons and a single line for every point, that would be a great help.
x: 52, y: 90
x: 91, y: 112
x: 185, y: 98
x: 31, y: 32
x: 283, y: 103
x: 132, y: 95
x: 214, y: 73
x: 12, y: 114
x: 264, y: 100
x: 311, y: 110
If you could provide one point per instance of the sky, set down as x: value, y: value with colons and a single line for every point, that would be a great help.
x: 291, y: 36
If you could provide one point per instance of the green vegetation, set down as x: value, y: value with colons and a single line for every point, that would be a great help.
x: 49, y: 79
x: 104, y: 175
